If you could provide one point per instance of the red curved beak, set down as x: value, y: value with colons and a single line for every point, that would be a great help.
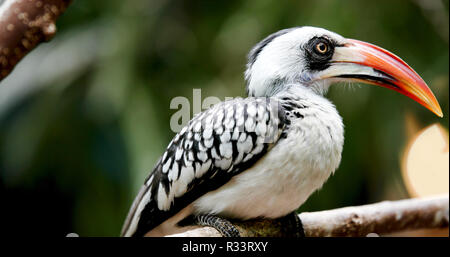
x: 361, y: 61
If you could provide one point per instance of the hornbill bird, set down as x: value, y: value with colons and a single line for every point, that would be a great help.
x: 264, y: 155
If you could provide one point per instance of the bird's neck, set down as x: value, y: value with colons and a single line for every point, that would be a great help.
x: 301, y: 93
x: 307, y: 103
x: 275, y: 86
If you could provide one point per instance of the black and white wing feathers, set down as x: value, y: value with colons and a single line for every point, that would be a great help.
x: 216, y: 145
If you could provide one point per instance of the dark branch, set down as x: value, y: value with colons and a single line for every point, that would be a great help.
x: 23, y: 25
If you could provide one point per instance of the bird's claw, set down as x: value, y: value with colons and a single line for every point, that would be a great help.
x: 293, y: 223
x: 299, y: 231
x: 226, y: 228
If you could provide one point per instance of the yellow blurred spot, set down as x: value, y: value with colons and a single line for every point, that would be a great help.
x: 425, y: 165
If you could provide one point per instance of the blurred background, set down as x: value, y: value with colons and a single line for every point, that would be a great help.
x: 84, y: 117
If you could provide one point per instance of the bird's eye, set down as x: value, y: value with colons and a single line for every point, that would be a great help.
x: 321, y: 48
x: 318, y: 52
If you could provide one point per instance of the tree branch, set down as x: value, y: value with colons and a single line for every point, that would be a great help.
x: 23, y: 25
x: 381, y: 218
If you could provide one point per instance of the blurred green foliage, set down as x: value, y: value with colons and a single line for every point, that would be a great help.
x: 84, y: 117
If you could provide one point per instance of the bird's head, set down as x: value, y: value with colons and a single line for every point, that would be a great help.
x: 316, y: 58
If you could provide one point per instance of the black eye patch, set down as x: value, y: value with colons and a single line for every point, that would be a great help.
x: 318, y: 52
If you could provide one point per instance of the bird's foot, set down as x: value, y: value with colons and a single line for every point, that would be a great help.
x: 226, y: 228
x: 293, y: 223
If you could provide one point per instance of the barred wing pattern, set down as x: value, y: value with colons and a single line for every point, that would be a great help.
x: 215, y: 145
